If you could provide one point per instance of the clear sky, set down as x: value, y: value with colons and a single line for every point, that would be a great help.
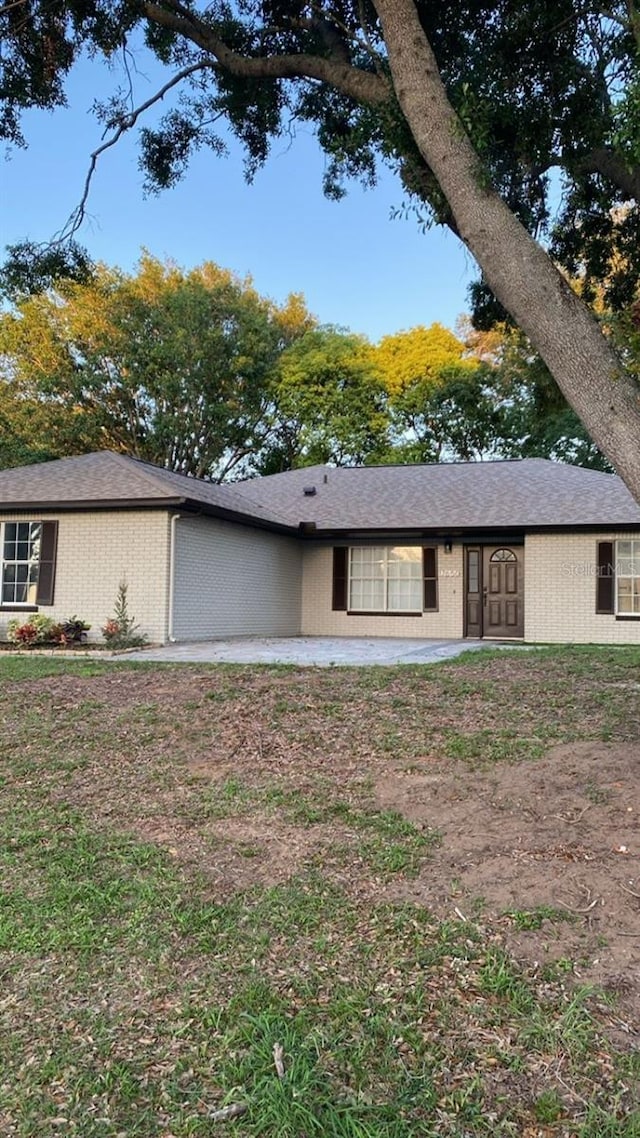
x: 356, y: 265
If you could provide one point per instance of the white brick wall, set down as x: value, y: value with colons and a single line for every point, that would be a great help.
x: 560, y: 592
x: 233, y: 580
x: 98, y: 549
x: 318, y: 619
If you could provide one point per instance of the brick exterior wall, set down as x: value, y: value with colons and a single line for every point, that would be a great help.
x: 318, y: 618
x: 560, y: 591
x: 97, y: 550
x: 233, y: 580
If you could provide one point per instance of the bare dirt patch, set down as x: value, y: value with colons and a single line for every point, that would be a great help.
x: 562, y: 834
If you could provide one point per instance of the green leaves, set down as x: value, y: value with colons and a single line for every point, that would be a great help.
x: 169, y: 366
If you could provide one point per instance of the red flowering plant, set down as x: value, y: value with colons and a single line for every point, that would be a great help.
x: 111, y: 630
x: 37, y: 629
x: 24, y: 634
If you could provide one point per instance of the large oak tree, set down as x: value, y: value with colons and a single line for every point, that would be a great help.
x: 475, y: 105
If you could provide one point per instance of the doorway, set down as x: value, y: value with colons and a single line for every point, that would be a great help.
x: 494, y: 591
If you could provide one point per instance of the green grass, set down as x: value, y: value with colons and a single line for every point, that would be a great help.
x: 144, y: 989
x: 533, y: 919
x: 138, y: 1005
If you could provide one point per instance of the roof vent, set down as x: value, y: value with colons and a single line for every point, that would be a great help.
x: 309, y: 491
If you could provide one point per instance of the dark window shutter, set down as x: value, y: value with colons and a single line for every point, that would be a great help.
x: 605, y: 579
x: 430, y: 573
x: 47, y: 570
x: 340, y: 578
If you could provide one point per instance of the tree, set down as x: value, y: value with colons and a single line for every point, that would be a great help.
x: 473, y: 104
x: 425, y: 371
x: 330, y: 403
x: 171, y: 367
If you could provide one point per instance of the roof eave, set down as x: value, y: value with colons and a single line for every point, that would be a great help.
x: 90, y: 504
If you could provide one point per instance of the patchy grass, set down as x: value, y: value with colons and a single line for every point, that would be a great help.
x: 194, y: 865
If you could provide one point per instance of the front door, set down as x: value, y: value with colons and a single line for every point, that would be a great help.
x: 494, y: 591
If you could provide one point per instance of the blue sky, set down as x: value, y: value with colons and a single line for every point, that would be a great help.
x: 355, y: 264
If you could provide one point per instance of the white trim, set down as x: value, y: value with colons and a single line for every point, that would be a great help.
x: 385, y: 580
x: 14, y: 604
x: 617, y: 576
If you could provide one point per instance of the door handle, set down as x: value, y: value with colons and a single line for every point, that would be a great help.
x: 484, y: 596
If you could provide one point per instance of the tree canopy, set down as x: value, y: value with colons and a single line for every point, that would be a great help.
x: 198, y: 373
x: 478, y: 106
x: 174, y: 367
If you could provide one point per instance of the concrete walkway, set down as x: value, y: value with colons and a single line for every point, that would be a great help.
x: 316, y: 651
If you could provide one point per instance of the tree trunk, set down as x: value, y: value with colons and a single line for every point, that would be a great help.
x: 520, y: 273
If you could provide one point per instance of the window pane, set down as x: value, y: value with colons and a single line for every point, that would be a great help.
x: 23, y: 531
x: 405, y: 596
x: 10, y: 531
x: 366, y: 596
x: 625, y: 598
x: 473, y: 571
x: 32, y: 589
x: 405, y: 554
x: 628, y: 577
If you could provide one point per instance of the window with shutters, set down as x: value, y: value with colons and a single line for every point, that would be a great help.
x: 20, y: 562
x: 628, y: 578
x: 387, y: 579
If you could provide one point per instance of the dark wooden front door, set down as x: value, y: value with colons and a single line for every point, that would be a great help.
x: 494, y: 591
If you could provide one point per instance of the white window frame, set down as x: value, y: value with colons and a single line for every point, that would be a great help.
x: 32, y: 561
x: 635, y: 576
x: 386, y: 578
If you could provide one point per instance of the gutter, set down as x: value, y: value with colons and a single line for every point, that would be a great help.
x: 175, y: 518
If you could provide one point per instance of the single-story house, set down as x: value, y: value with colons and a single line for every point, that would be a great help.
x: 526, y: 549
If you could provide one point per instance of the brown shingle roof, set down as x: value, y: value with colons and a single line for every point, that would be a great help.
x: 105, y: 478
x: 520, y: 494
x: 523, y: 494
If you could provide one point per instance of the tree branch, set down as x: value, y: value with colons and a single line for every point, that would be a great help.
x: 126, y: 123
x: 363, y: 86
x: 604, y: 160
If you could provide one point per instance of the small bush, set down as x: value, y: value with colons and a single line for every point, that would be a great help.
x: 121, y: 630
x: 73, y: 630
x: 36, y: 630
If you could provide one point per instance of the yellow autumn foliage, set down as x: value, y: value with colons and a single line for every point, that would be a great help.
x: 420, y: 358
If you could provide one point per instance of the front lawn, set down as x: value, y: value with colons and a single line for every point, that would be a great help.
x: 421, y: 883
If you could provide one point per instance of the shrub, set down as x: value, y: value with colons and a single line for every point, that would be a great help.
x: 121, y: 630
x: 72, y: 630
x: 24, y: 634
x: 38, y: 629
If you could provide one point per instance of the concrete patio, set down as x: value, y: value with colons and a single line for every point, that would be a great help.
x: 316, y: 651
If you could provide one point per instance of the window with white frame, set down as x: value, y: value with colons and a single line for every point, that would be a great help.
x: 385, y: 578
x: 628, y: 578
x: 20, y: 562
